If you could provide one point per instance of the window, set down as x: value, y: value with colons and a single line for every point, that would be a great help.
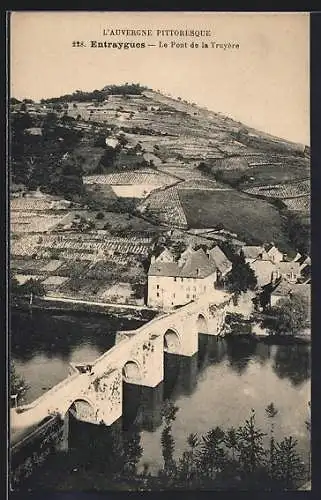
x: 157, y: 287
x: 157, y: 294
x: 173, y: 295
x: 187, y: 296
x: 175, y: 279
x: 194, y: 296
x: 182, y: 279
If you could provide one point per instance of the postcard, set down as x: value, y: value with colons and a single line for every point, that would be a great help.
x: 160, y: 293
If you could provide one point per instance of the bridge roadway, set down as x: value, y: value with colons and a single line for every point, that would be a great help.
x: 136, y: 357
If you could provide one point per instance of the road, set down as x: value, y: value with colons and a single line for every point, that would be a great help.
x: 100, y: 304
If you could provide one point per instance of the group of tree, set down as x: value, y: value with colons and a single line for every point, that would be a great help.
x: 31, y: 286
x: 98, y: 95
x: 241, y: 278
x: 18, y: 386
x: 288, y: 316
x: 236, y: 458
x: 42, y: 160
x: 299, y: 229
x: 242, y: 458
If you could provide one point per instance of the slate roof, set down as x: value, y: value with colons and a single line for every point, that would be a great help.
x: 163, y: 269
x: 252, y: 252
x: 284, y: 288
x: 263, y: 270
x: 197, y: 265
x: 220, y: 260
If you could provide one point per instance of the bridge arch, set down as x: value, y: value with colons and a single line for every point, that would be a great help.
x: 82, y: 408
x: 201, y: 324
x: 172, y: 341
x: 132, y: 371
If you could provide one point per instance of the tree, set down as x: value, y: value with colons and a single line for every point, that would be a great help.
x: 271, y: 412
x: 288, y: 316
x: 18, y: 385
x: 13, y: 100
x: 289, y: 468
x: 33, y: 286
x: 212, y: 456
x: 169, y: 411
x: 250, y: 442
x: 242, y: 277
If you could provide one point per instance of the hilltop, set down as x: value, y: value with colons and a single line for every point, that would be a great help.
x: 102, y: 180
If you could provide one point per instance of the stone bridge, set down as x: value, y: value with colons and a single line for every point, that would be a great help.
x: 93, y: 392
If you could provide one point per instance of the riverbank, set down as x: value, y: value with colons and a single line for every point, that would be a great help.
x: 78, y: 305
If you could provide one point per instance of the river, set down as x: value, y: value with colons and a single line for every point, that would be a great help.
x: 218, y: 386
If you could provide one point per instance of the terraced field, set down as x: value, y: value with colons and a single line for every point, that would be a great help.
x: 288, y: 190
x: 298, y: 204
x: 165, y: 206
x: 145, y: 176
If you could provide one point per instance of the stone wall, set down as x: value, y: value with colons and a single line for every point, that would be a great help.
x: 32, y: 450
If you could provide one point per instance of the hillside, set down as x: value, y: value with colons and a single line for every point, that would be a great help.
x: 132, y: 150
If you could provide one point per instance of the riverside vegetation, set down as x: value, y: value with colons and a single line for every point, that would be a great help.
x: 243, y: 458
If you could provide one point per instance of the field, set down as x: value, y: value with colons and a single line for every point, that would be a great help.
x: 298, y: 204
x: 165, y: 206
x: 253, y: 220
x: 286, y: 190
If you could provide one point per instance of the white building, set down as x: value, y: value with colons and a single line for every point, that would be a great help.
x: 172, y: 283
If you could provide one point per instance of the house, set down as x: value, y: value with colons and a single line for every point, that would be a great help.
x: 273, y: 253
x: 252, y: 253
x: 172, y: 283
x: 289, y: 270
x: 266, y: 252
x: 222, y: 263
x: 265, y: 271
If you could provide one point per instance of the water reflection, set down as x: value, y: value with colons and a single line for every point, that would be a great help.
x: 57, y: 335
x: 239, y: 352
x: 180, y: 374
x: 100, y: 448
x: 293, y: 362
x: 263, y: 353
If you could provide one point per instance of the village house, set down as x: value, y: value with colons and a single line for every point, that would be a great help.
x: 172, y: 283
x: 268, y: 251
x: 289, y: 270
x: 273, y: 253
x: 252, y: 253
x: 285, y: 290
x: 265, y: 271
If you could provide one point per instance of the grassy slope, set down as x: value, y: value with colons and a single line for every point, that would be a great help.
x: 252, y: 219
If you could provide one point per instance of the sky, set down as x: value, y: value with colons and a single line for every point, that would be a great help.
x: 264, y: 83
